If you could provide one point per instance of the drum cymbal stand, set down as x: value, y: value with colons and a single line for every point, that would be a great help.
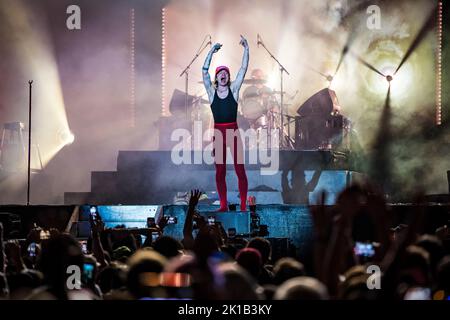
x: 283, y: 142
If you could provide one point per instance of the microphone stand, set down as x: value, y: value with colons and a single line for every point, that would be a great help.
x: 186, y: 73
x: 282, y: 70
x: 29, y: 145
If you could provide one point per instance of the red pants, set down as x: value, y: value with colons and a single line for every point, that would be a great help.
x: 220, y: 155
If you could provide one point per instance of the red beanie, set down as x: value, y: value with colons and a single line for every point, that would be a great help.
x: 218, y: 69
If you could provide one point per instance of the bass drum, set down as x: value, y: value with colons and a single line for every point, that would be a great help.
x: 252, y: 106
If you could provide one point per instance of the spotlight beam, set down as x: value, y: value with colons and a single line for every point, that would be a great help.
x: 317, y: 71
x: 345, y: 49
x: 419, y: 38
x: 368, y: 65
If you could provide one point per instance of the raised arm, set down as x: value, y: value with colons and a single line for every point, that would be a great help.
x: 205, y: 71
x: 188, y: 239
x: 237, y: 83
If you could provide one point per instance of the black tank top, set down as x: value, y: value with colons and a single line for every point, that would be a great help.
x: 224, y: 110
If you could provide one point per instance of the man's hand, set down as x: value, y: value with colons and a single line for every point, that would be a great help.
x: 243, y: 42
x: 216, y: 47
x: 195, y: 196
x: 97, y: 225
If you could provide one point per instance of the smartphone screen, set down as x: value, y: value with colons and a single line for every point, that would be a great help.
x: 364, y: 249
x: 172, y: 220
x: 88, y: 271
x: 155, y: 236
x: 83, y: 245
x: 211, y: 220
x: 93, y: 211
x: 32, y: 249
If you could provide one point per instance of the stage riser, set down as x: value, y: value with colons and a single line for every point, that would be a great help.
x: 152, y: 177
x: 155, y: 160
x: 146, y: 187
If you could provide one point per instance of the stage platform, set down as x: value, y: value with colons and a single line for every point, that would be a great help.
x: 152, y: 177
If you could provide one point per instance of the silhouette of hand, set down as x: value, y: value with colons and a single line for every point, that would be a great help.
x: 163, y: 222
x: 195, y: 196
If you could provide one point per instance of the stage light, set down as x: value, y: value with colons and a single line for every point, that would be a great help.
x: 66, y: 137
x: 33, y: 45
x: 400, y: 84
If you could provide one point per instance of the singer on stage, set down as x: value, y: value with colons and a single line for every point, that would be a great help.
x: 223, y: 96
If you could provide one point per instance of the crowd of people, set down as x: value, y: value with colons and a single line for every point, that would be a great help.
x: 117, y: 264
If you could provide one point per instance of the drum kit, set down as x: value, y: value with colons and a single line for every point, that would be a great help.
x: 318, y: 120
x: 260, y: 108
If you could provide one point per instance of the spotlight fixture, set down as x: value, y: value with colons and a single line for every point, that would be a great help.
x: 66, y: 137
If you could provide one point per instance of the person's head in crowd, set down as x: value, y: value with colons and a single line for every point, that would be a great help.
x: 354, y: 285
x: 58, y: 253
x: 230, y: 250
x: 145, y: 267
x: 434, y: 247
x: 250, y: 259
x: 269, y: 291
x: 167, y: 246
x: 414, y: 268
x: 302, y: 288
x: 112, y: 277
x: 205, y: 244
x: 238, y: 284
x: 263, y: 246
x: 287, y: 268
x: 21, y: 284
x: 203, y: 277
x: 125, y: 240
x: 121, y: 254
x: 443, y: 275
